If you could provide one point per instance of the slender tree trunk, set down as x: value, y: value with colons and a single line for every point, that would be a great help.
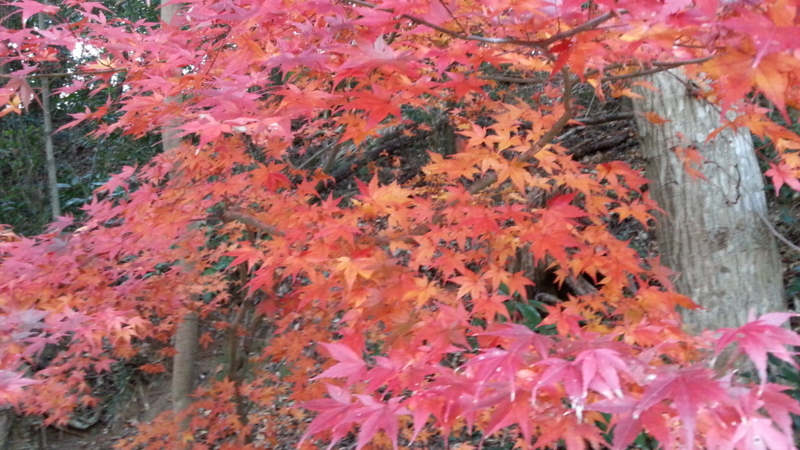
x: 187, y: 336
x: 7, y: 414
x: 47, y: 121
x: 169, y: 137
x: 186, y: 342
x: 714, y: 232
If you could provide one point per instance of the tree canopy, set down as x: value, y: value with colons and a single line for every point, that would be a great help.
x: 408, y: 285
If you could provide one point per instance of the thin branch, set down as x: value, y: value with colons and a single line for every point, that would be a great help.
x: 776, y: 233
x: 491, y: 178
x: 515, y: 80
x: 314, y: 156
x: 63, y: 74
x: 586, y: 26
x: 659, y: 66
x: 681, y: 63
x: 232, y: 215
x: 369, y: 5
x: 540, y: 43
x: 598, y: 120
x: 569, y: 111
x: 331, y: 160
x: 446, y: 8
x: 590, y: 147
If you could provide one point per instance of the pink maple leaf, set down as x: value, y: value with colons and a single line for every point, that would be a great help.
x: 758, y: 433
x: 350, y: 365
x: 780, y: 174
x: 759, y: 337
x: 375, y: 415
x: 687, y: 390
x: 118, y: 180
x: 30, y: 8
x: 11, y: 384
x: 335, y: 414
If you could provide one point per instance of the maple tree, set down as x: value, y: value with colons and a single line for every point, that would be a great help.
x: 407, y: 287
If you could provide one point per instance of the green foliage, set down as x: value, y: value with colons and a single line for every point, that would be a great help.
x: 23, y: 181
x: 83, y: 163
x: 527, y: 312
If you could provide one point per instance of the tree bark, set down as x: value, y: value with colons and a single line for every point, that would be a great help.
x: 714, y: 232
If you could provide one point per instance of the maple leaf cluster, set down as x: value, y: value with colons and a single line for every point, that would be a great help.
x: 405, y: 286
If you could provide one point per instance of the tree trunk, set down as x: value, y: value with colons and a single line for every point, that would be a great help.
x: 186, y: 343
x: 47, y: 121
x: 714, y: 233
x: 187, y: 336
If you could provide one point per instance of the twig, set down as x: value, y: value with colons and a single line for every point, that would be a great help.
x: 569, y: 133
x: 775, y: 232
x: 539, y: 43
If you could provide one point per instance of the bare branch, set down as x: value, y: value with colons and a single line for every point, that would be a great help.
x: 586, y: 26
x: 64, y: 74
x: 782, y: 238
x: 232, y: 215
x: 589, y: 146
x: 659, y: 66
x: 671, y: 65
x: 515, y: 80
x: 598, y: 120
x: 539, y: 43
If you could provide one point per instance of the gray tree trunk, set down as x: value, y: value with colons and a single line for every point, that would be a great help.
x: 47, y: 122
x: 188, y: 334
x: 714, y: 233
